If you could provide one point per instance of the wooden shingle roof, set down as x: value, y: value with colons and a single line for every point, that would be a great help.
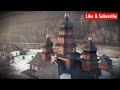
x: 90, y: 47
x: 105, y: 61
x: 49, y: 72
x: 74, y: 56
x: 38, y: 62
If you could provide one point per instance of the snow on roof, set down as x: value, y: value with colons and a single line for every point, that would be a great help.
x: 22, y: 64
x: 65, y: 76
x: 49, y: 72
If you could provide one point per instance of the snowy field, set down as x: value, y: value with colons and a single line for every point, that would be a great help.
x: 21, y: 64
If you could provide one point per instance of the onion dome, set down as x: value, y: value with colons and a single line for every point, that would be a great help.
x: 66, y: 24
x: 48, y: 43
x: 90, y: 47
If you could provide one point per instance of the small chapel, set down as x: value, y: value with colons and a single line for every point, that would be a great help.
x: 65, y: 59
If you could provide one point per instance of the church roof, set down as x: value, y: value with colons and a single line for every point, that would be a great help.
x: 90, y: 47
x: 75, y: 56
x: 61, y: 67
x: 38, y: 62
x: 49, y: 72
x: 105, y: 61
x: 76, y: 70
x: 66, y: 24
x: 53, y: 71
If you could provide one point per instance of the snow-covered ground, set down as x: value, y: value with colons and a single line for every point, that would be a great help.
x: 116, y: 67
x: 114, y: 71
x: 21, y: 64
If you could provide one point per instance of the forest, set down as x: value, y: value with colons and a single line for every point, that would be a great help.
x: 32, y: 26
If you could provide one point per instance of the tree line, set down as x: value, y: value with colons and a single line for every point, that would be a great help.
x: 32, y: 26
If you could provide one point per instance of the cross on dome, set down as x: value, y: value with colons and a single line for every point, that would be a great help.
x: 66, y: 15
x: 47, y: 36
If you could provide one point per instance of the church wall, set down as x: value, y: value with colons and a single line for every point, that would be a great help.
x: 45, y: 57
x: 68, y: 50
x: 69, y: 40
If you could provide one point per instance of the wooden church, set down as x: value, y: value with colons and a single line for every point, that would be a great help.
x: 66, y: 38
x: 89, y: 57
x: 66, y: 59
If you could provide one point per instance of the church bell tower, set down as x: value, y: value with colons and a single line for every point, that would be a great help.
x: 66, y: 39
x: 47, y: 49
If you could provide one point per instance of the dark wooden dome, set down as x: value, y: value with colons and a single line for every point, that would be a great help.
x: 90, y: 47
x: 66, y: 24
x: 48, y: 43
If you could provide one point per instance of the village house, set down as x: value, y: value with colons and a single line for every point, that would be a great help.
x: 9, y: 51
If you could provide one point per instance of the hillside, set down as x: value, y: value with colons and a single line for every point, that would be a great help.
x: 32, y: 26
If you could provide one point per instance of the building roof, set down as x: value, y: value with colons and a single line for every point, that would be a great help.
x: 90, y: 47
x: 11, y: 47
x: 61, y: 67
x: 66, y: 24
x: 76, y: 70
x: 38, y: 62
x: 105, y: 61
x: 75, y: 56
x: 53, y: 71
x: 49, y: 72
